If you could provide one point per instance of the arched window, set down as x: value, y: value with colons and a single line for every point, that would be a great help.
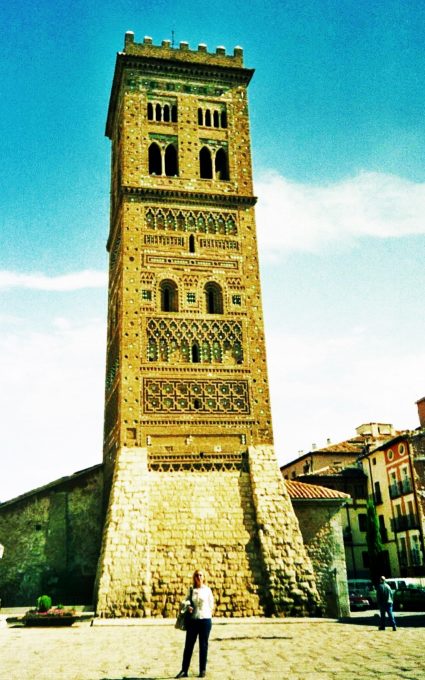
x: 171, y: 164
x: 196, y: 355
x: 208, y: 118
x: 150, y: 111
x: 174, y: 113
x: 221, y: 167
x: 155, y: 159
x: 213, y: 299
x: 200, y: 117
x: 205, y: 163
x: 166, y: 113
x: 223, y: 117
x: 158, y: 112
x: 216, y: 119
x: 191, y: 243
x: 169, y: 297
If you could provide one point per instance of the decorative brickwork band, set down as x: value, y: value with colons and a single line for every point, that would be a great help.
x: 197, y: 396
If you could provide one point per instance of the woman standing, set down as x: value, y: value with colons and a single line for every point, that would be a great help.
x: 200, y: 604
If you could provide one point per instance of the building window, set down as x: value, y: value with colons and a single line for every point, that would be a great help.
x: 169, y: 297
x: 191, y: 297
x: 205, y: 163
x: 362, y: 522
x: 171, y: 164
x: 378, y: 495
x: 162, y: 112
x: 212, y: 117
x: 236, y: 299
x: 146, y: 295
x: 221, y: 165
x: 196, y: 355
x: 155, y: 161
x: 213, y: 299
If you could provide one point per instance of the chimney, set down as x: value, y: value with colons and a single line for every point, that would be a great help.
x: 421, y: 411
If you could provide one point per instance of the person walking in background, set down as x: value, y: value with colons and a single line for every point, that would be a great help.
x: 385, y: 603
x: 200, y: 604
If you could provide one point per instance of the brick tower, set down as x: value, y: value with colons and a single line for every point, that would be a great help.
x: 191, y: 477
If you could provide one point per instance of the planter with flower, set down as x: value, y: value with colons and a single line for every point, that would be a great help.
x: 46, y: 615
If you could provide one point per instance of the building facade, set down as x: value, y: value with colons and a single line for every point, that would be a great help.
x: 396, y: 484
x: 336, y: 466
x: 191, y: 477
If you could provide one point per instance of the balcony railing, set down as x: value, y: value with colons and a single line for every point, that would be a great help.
x: 404, y: 522
x: 400, y: 488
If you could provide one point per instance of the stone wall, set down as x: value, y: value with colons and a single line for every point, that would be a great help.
x: 239, y: 526
x: 51, y: 539
x: 320, y: 524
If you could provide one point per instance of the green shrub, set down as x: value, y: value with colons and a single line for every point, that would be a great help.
x: 44, y: 602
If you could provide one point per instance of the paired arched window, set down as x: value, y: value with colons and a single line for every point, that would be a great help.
x: 163, y: 161
x: 213, y: 165
x: 155, y: 160
x: 171, y: 164
x: 221, y: 167
x: 169, y: 296
x: 213, y: 299
x: 205, y: 163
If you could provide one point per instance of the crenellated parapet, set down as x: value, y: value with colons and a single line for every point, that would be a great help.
x: 183, y: 52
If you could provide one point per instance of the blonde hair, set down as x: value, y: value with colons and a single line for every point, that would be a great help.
x: 196, y: 573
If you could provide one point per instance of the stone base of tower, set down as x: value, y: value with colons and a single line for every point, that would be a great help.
x: 236, y: 522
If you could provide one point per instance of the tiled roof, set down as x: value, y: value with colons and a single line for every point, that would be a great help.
x: 353, y: 445
x: 298, y: 490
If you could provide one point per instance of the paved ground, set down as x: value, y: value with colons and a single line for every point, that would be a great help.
x: 248, y: 649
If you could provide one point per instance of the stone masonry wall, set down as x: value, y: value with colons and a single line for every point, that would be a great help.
x: 52, y: 542
x: 320, y: 524
x: 238, y: 526
x: 161, y: 526
x: 288, y: 579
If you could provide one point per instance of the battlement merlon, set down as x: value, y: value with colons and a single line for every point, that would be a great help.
x: 182, y: 52
x: 163, y: 58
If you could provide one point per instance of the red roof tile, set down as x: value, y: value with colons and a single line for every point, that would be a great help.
x: 298, y: 490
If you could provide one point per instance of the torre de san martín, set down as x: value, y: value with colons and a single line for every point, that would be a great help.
x: 189, y: 477
x: 190, y: 474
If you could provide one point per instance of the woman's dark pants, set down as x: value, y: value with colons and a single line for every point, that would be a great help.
x: 201, y: 627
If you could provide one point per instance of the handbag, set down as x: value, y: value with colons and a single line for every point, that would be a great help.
x: 184, y: 615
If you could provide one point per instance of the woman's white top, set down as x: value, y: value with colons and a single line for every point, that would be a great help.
x: 203, y: 602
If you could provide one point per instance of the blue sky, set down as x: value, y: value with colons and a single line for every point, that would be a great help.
x: 338, y: 139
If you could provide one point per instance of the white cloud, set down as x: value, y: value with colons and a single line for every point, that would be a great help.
x: 51, y: 403
x: 326, y: 386
x: 64, y: 282
x: 293, y: 216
